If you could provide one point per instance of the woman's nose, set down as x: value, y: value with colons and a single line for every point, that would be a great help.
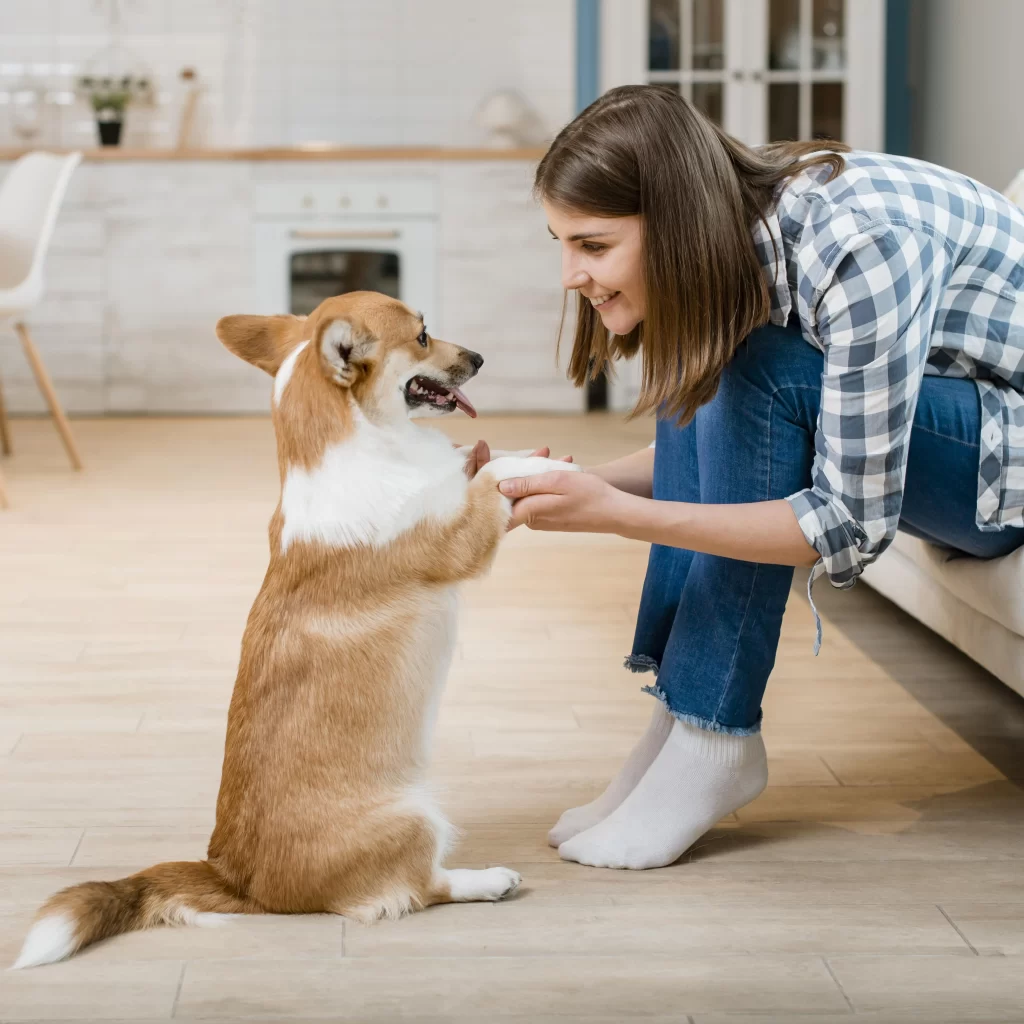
x: 572, y: 275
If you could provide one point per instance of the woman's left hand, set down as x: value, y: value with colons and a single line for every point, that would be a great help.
x: 567, y: 502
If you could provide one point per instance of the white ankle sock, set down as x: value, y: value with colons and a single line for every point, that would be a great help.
x: 579, y: 819
x: 697, y: 779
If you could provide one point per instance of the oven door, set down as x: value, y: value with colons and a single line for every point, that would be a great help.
x: 298, y: 264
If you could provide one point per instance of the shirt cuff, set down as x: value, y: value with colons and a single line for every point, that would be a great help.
x: 833, y: 534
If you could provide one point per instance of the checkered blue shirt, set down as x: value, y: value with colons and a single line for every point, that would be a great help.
x: 895, y: 269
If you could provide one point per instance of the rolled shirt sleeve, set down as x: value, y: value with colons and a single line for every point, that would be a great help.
x: 870, y: 308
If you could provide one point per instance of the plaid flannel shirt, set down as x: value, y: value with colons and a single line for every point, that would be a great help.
x: 896, y: 269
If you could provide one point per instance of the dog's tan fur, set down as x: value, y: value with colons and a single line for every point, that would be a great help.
x: 320, y: 808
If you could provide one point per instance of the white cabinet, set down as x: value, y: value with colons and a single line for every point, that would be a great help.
x: 766, y: 70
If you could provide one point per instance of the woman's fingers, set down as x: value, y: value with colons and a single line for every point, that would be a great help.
x: 545, y: 453
x: 477, y: 458
x: 528, y: 511
x: 521, y: 486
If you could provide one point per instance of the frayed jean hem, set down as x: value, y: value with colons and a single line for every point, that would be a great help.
x: 700, y: 723
x: 641, y: 663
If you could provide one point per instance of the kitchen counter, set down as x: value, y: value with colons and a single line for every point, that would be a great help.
x: 151, y: 248
x: 312, y: 152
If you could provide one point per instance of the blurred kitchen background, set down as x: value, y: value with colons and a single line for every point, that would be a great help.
x: 263, y: 154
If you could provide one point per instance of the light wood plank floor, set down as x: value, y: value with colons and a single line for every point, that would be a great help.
x: 881, y: 876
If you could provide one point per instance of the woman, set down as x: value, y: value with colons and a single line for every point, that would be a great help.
x: 834, y: 344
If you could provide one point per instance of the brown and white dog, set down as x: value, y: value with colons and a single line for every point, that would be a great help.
x: 322, y: 804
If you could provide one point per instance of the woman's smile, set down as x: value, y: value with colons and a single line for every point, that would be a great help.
x: 602, y: 259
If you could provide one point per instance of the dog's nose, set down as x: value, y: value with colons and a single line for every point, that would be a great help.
x: 475, y: 359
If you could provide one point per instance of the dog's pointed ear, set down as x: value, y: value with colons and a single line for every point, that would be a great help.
x: 346, y: 347
x: 264, y: 341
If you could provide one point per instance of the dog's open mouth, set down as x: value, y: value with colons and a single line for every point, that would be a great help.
x: 424, y: 391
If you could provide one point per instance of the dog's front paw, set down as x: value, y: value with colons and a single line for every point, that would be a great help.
x: 519, y: 453
x: 509, y: 467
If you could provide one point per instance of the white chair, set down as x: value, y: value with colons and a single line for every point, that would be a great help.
x: 30, y: 200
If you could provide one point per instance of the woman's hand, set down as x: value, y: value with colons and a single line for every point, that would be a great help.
x: 568, y: 502
x: 477, y: 457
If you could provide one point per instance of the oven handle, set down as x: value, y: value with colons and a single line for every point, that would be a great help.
x: 312, y: 234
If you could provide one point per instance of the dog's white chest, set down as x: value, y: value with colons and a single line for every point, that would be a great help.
x: 373, y: 487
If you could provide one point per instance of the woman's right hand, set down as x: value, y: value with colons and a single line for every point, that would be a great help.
x: 477, y: 457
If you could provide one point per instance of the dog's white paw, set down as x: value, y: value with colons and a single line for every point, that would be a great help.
x: 520, y: 453
x: 503, y: 882
x: 489, y: 884
x: 510, y: 466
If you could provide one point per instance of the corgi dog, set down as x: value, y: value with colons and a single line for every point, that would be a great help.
x: 323, y: 806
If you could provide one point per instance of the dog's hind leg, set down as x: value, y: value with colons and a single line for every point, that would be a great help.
x: 463, y: 885
x: 400, y: 870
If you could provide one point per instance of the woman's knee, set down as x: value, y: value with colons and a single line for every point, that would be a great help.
x: 770, y: 361
x: 756, y: 437
x: 772, y: 357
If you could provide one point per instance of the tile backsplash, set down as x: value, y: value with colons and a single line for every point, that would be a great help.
x: 280, y: 72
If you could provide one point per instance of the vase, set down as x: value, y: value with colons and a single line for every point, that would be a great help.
x: 110, y: 132
x: 28, y: 111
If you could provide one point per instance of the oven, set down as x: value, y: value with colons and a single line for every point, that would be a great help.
x: 312, y: 241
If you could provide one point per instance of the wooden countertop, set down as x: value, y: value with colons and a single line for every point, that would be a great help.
x: 115, y: 154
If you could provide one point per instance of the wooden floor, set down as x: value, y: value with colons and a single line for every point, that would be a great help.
x: 881, y: 876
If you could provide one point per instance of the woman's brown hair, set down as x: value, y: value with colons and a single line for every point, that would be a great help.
x: 645, y: 150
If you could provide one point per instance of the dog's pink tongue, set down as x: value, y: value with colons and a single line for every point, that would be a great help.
x: 463, y: 403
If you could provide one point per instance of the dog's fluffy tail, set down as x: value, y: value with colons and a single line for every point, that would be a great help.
x: 188, y: 892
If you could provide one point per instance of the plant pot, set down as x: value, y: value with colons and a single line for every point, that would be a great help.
x: 110, y: 132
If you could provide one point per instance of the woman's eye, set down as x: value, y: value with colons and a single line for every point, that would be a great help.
x: 592, y: 247
x: 422, y: 339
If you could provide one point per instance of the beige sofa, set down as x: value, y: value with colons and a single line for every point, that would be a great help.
x: 976, y: 605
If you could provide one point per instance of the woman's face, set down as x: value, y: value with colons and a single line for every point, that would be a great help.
x: 601, y: 259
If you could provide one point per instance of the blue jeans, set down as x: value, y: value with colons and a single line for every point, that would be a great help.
x: 709, y: 626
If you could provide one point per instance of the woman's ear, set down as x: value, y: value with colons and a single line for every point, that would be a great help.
x: 264, y: 341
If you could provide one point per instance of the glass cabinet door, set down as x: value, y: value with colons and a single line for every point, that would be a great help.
x: 766, y: 70
x: 688, y: 48
x: 803, y: 67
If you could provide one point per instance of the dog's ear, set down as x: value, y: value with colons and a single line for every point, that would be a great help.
x: 264, y: 341
x: 346, y: 349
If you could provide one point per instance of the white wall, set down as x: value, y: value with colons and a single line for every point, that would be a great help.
x: 357, y: 72
x: 407, y: 71
x: 972, y: 100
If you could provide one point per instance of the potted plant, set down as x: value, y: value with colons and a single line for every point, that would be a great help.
x: 110, y: 96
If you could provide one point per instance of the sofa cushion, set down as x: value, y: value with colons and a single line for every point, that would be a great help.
x: 994, y: 587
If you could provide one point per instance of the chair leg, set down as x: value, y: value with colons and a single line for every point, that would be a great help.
x: 46, y: 386
x: 5, y: 426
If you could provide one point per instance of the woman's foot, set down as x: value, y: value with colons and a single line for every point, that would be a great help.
x: 697, y: 779
x: 579, y: 819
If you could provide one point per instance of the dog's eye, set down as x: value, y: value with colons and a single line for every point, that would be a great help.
x: 422, y: 339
